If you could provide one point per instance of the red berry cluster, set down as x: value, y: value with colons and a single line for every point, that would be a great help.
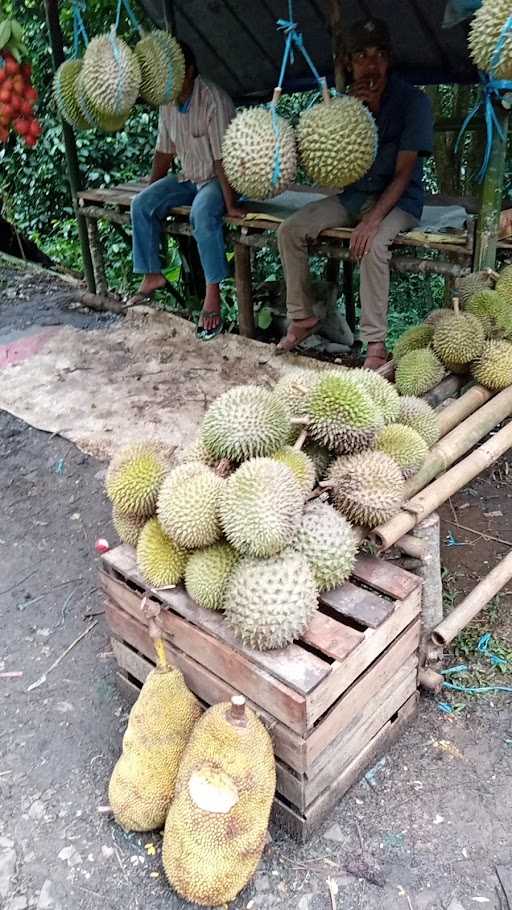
x: 17, y: 99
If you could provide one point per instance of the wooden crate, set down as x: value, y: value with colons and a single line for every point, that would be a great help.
x: 332, y: 701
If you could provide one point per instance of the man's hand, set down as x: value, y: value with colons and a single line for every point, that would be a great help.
x: 363, y: 236
x: 234, y: 212
x: 368, y: 91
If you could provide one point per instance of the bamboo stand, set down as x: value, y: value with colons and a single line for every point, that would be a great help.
x: 427, y: 534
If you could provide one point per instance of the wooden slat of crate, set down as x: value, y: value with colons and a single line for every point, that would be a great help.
x: 366, y: 608
x: 301, y: 827
x: 385, y: 577
x: 343, y: 673
x: 293, y: 665
x: 331, y: 637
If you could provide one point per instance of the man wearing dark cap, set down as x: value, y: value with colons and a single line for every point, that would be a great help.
x: 386, y: 201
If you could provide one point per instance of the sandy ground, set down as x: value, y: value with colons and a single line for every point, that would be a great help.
x: 425, y: 829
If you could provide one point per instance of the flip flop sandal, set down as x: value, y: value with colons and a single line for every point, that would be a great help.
x: 293, y: 339
x: 207, y: 335
x: 141, y: 299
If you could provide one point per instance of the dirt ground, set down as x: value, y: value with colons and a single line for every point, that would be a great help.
x: 426, y: 829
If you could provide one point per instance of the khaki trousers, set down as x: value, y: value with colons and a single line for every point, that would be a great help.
x: 305, y: 225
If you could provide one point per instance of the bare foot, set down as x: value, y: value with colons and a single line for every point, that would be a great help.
x: 149, y: 286
x: 298, y: 330
x: 376, y: 356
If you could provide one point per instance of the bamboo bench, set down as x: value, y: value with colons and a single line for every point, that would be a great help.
x: 113, y: 205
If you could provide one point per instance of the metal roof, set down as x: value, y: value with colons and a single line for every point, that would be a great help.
x: 238, y: 46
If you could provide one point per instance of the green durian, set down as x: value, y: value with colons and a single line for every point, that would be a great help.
x: 342, y: 416
x: 404, y: 445
x: 327, y: 541
x: 207, y: 574
x: 417, y: 413
x: 418, y: 372
x: 367, y: 488
x: 493, y: 368
x: 135, y: 476
x: 245, y: 422
x: 188, y: 505
x: 413, y: 339
x: 160, y: 560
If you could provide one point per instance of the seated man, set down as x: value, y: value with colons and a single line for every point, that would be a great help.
x: 191, y: 130
x: 389, y: 199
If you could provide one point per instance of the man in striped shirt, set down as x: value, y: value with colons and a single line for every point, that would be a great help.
x: 191, y: 130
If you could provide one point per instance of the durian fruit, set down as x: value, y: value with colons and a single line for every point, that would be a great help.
x: 485, y: 31
x: 245, y: 422
x: 207, y: 574
x: 418, y: 371
x: 404, y: 445
x: 380, y: 390
x: 135, y: 476
x: 216, y: 827
x: 162, y: 67
x: 326, y: 539
x: 293, y: 387
x: 110, y: 77
x: 188, y: 505
x: 458, y: 339
x: 261, y: 507
x: 91, y: 114
x: 320, y: 456
x: 504, y: 284
x: 493, y: 368
x: 259, y: 154
x: 413, y: 339
x: 342, y: 416
x: 368, y: 488
x: 337, y: 141
x: 417, y: 413
x: 197, y: 452
x: 492, y: 311
x: 160, y: 560
x: 435, y: 315
x: 64, y: 90
x: 270, y: 602
x: 300, y: 465
x: 471, y: 284
x: 128, y: 526
x: 159, y: 727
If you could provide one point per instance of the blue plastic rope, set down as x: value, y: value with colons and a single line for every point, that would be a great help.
x: 79, y: 31
x: 495, y: 59
x: 476, y: 690
x: 131, y: 15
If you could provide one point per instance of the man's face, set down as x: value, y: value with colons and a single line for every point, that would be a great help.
x: 371, y: 66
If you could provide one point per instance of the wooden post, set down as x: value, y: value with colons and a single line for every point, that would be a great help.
x: 338, y: 44
x: 348, y: 294
x: 98, y: 261
x: 57, y: 48
x: 487, y: 231
x: 244, y: 290
x: 427, y: 533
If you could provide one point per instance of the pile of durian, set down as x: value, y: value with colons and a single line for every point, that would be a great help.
x: 476, y: 340
x: 242, y: 519
x: 100, y: 90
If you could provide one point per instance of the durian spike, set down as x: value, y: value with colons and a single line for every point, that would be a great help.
x: 276, y: 96
x: 151, y: 611
x: 301, y: 440
x: 325, y: 91
x: 236, y: 712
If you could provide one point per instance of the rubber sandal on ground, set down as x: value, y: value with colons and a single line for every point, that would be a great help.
x: 295, y: 336
x: 141, y: 299
x: 208, y: 334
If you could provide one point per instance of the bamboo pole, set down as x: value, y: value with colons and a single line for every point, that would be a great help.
x: 457, y: 411
x: 57, y: 48
x: 462, y: 438
x: 338, y: 44
x: 480, y: 596
x: 488, y: 227
x: 412, y: 547
x: 433, y: 496
x: 427, y: 534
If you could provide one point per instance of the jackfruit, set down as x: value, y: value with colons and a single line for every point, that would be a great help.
x: 245, y: 422
x: 337, y: 141
x: 207, y: 574
x: 162, y: 67
x: 293, y: 388
x: 458, y: 339
x: 417, y: 413
x: 128, y: 526
x: 404, y: 445
x: 270, y: 602
x: 413, y: 339
x: 110, y: 77
x: 216, y: 827
x: 342, y: 416
x: 259, y: 154
x: 382, y: 392
x: 504, y: 284
x: 368, y: 488
x: 300, y: 465
x: 418, y: 371
x: 160, y: 560
x: 484, y: 35
x: 135, y: 476
x: 261, y: 507
x: 188, y: 505
x: 326, y: 539
x: 159, y: 727
x: 471, y: 284
x: 493, y: 368
x: 64, y: 90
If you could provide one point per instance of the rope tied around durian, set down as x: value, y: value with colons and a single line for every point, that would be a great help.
x: 493, y: 90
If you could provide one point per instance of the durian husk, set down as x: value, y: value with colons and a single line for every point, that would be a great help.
x: 493, y: 368
x: 259, y: 154
x: 337, y: 141
x: 160, y: 560
x: 162, y: 67
x: 64, y: 90
x: 484, y: 34
x: 368, y: 488
x: 110, y: 77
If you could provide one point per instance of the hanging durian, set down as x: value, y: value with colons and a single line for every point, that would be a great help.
x: 485, y: 32
x: 162, y: 67
x: 159, y: 727
x: 64, y: 90
x: 110, y: 77
x: 337, y: 141
x: 258, y: 153
x: 216, y: 827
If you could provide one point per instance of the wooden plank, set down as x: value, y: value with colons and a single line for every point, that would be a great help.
x: 331, y: 637
x: 293, y: 665
x: 287, y: 705
x: 244, y: 290
x: 345, y: 750
x: 301, y: 827
x: 375, y: 642
x: 367, y: 690
x: 385, y: 577
x: 107, y: 196
x: 288, y: 746
x: 364, y: 606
